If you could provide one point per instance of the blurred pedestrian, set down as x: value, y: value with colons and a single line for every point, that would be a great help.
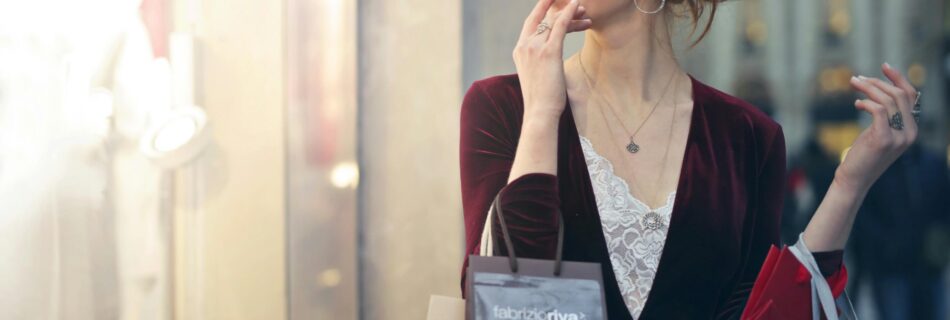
x: 901, y: 236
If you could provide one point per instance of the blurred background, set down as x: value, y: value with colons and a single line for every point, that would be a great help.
x: 238, y: 159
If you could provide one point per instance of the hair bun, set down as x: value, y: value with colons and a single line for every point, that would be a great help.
x: 695, y: 9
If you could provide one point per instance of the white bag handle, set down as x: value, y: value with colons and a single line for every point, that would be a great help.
x: 487, y: 247
x: 820, y: 292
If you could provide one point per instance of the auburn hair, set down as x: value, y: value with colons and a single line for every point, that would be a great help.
x: 695, y: 10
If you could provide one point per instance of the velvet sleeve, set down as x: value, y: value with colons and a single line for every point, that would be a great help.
x: 488, y: 140
x: 767, y: 196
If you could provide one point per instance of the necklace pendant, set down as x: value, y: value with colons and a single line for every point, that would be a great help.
x: 633, y: 147
x: 652, y: 221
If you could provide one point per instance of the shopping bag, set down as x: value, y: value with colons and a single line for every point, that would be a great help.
x: 521, y: 288
x: 790, y: 286
x: 445, y: 308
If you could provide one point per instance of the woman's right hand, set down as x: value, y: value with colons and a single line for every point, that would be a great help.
x: 539, y: 58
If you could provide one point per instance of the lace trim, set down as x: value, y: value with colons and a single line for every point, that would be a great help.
x: 635, y: 237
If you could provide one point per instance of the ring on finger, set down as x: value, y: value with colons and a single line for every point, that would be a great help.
x: 916, y: 111
x: 543, y: 27
x: 896, y: 121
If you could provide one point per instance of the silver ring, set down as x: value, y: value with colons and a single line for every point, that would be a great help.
x: 543, y: 27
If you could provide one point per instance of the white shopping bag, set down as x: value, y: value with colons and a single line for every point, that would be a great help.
x: 446, y: 308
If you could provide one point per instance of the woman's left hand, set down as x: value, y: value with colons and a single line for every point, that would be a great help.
x: 892, y: 131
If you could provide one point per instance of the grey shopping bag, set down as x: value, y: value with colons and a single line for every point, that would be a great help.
x: 532, y: 289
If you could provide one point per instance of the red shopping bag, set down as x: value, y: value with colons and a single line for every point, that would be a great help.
x: 783, y: 289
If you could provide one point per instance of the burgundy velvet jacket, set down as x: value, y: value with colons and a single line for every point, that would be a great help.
x: 725, y: 217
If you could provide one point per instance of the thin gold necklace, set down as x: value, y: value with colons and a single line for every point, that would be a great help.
x: 632, y: 146
x: 652, y: 219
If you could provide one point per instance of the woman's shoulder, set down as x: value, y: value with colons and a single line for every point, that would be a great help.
x: 495, y: 98
x: 499, y: 82
x: 501, y: 90
x: 733, y: 112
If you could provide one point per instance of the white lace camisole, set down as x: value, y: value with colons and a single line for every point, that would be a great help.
x: 635, y: 233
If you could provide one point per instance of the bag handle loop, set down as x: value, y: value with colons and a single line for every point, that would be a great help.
x: 512, y: 259
x: 821, y: 297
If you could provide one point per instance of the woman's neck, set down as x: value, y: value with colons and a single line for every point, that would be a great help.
x: 628, y: 60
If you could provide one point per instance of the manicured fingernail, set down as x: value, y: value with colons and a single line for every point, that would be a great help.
x: 855, y: 79
x: 888, y: 65
x: 862, y: 78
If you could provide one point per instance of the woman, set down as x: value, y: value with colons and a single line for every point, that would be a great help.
x: 673, y: 186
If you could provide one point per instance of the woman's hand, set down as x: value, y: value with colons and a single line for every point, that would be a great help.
x: 539, y: 57
x: 892, y: 129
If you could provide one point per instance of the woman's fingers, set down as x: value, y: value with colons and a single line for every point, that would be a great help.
x: 581, y: 13
x: 898, y: 79
x: 559, y: 30
x: 903, y: 99
x: 876, y: 110
x: 579, y: 20
x: 535, y: 17
x: 910, y: 93
x: 579, y: 25
x: 863, y: 84
x: 900, y: 97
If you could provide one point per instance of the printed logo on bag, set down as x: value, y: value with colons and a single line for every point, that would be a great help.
x: 534, y: 314
x: 516, y: 297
